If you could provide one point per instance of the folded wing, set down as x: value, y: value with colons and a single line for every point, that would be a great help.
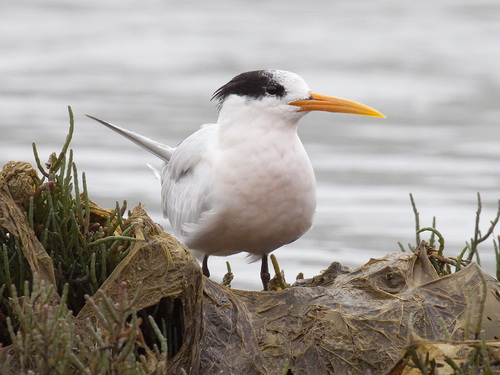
x: 186, y: 182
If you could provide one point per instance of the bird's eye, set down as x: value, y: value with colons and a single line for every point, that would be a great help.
x: 272, y: 90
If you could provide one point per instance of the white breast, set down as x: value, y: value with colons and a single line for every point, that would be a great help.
x: 263, y: 194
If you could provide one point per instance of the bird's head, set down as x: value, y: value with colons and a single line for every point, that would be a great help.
x: 281, y: 93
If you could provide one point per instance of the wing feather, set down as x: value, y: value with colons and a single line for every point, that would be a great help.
x: 186, y: 181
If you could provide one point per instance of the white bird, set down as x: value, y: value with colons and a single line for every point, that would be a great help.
x: 244, y: 184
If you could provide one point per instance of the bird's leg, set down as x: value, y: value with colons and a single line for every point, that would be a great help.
x: 206, y: 272
x: 264, y: 273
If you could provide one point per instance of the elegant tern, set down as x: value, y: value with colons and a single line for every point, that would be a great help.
x: 244, y: 184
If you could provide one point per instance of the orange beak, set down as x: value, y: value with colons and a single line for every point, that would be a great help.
x: 319, y: 102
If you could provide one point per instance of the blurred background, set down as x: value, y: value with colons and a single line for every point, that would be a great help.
x: 432, y: 67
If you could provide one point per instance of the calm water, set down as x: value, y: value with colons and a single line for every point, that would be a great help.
x: 431, y: 67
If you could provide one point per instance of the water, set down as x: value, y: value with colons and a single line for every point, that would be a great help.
x: 431, y: 67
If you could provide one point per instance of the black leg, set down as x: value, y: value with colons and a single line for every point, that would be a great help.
x: 206, y: 272
x: 264, y: 273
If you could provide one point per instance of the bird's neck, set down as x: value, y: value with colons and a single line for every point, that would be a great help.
x: 249, y: 123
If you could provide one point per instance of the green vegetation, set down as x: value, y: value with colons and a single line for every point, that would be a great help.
x: 47, y: 342
x: 85, y: 244
x: 439, y: 261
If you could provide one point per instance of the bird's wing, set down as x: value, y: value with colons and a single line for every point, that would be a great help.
x: 186, y: 181
x: 164, y: 152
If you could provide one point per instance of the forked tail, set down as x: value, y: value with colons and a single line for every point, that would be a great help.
x: 164, y: 152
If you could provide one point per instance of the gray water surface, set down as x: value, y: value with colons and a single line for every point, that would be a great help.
x: 433, y: 68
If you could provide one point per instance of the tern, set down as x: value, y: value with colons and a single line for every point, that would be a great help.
x: 245, y: 183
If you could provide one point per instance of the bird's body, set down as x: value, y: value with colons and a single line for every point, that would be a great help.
x: 240, y: 197
x: 245, y: 184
